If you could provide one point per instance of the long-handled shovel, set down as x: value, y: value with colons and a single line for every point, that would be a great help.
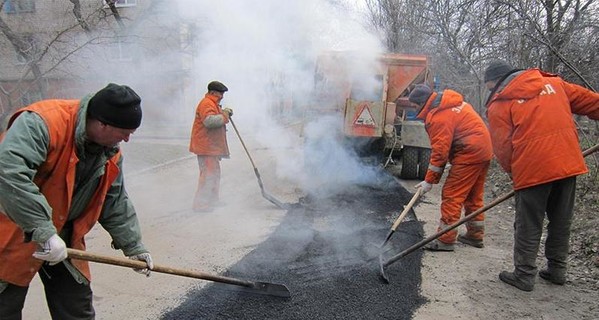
x: 265, y: 194
x: 402, y: 215
x: 465, y: 219
x: 271, y: 289
x: 384, y: 264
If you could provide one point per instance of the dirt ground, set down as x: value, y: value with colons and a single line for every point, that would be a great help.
x: 161, y: 178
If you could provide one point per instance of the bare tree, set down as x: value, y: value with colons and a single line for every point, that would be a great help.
x: 555, y: 26
x: 463, y: 35
x: 77, y: 13
x: 26, y: 47
x: 44, y: 52
x: 115, y: 12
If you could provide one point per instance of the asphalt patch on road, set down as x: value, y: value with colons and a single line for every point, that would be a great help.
x: 326, y: 252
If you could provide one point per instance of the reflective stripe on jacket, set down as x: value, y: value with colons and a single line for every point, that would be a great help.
x: 209, y: 141
x: 534, y: 135
x: 457, y: 133
x: 55, y: 178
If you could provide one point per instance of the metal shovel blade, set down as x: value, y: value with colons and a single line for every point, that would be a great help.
x: 389, y: 234
x: 382, y: 275
x: 402, y: 215
x: 265, y: 194
x: 275, y: 201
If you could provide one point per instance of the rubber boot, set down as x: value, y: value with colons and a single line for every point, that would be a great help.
x: 439, y: 246
x: 511, y: 279
x: 554, y: 277
x: 471, y: 242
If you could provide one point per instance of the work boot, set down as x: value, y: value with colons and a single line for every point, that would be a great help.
x: 511, y: 279
x: 471, y: 242
x: 439, y: 246
x: 554, y: 277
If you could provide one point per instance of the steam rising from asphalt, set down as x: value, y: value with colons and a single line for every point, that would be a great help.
x: 264, y: 52
x: 329, y: 165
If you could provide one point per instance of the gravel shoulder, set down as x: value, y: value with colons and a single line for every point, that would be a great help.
x: 464, y: 284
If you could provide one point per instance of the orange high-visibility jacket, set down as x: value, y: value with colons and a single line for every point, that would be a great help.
x: 55, y: 179
x: 206, y: 141
x: 534, y: 135
x: 457, y: 133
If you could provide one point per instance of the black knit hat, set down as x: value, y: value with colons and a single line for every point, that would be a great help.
x: 420, y: 94
x: 217, y: 86
x: 116, y: 105
x: 497, y: 69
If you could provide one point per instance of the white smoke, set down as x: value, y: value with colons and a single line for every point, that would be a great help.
x: 265, y: 51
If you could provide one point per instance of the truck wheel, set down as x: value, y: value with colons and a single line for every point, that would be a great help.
x: 424, y: 157
x: 409, y: 163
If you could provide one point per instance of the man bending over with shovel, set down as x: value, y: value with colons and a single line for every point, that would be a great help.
x: 60, y: 173
x: 536, y: 142
x: 459, y: 136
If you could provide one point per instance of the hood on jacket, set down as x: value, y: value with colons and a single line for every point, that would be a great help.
x: 526, y: 84
x: 441, y: 100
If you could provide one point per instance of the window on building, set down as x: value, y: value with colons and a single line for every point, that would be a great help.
x: 18, y: 6
x: 121, y: 50
x: 123, y: 3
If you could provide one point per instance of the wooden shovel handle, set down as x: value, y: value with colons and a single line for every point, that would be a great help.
x: 406, y: 209
x: 465, y: 219
x: 136, y: 264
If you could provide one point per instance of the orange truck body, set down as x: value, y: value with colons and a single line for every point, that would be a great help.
x: 370, y: 92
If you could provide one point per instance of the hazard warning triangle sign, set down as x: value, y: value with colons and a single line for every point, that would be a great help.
x: 365, y: 117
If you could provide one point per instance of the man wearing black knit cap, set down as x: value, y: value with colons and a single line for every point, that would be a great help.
x: 535, y: 141
x: 61, y: 174
x: 496, y: 70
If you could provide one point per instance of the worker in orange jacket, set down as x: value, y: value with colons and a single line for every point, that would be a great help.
x: 536, y: 143
x: 61, y: 172
x: 458, y: 136
x: 209, y: 143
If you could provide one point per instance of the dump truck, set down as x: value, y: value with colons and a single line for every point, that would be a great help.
x: 370, y: 93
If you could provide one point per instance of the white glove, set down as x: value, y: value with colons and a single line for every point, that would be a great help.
x: 144, y: 257
x: 54, y: 250
x: 426, y: 187
x: 228, y: 111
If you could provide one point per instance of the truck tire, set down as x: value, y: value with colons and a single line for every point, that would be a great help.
x: 424, y: 157
x: 409, y: 163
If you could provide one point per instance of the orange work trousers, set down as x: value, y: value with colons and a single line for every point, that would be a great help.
x: 463, y: 189
x: 207, y: 193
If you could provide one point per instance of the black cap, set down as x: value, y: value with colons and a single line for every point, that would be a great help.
x: 497, y: 69
x: 116, y: 105
x: 217, y: 86
x: 420, y: 94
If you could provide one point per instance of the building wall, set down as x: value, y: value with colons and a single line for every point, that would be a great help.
x: 145, y: 53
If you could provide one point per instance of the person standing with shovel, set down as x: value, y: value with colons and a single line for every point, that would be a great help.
x: 61, y: 173
x: 459, y: 136
x: 209, y: 142
x: 535, y: 141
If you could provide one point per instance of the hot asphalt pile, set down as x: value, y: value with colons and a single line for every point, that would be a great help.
x: 326, y: 252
